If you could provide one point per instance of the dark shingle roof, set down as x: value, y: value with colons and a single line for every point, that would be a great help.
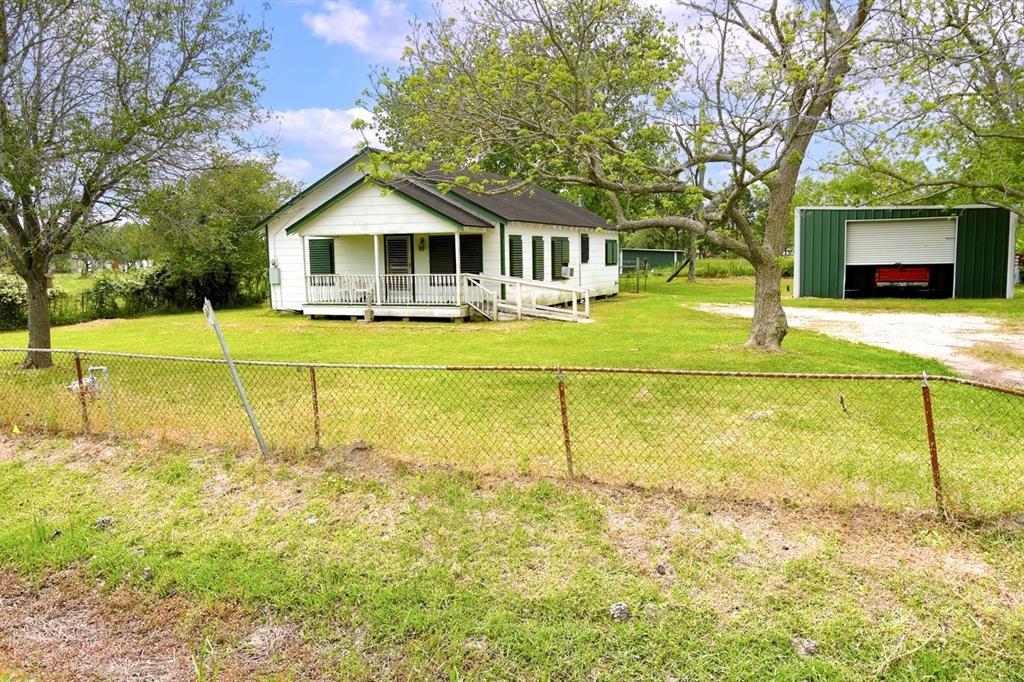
x: 439, y: 203
x: 531, y: 204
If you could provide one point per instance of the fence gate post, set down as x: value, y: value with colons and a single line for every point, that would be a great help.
x: 82, y: 399
x: 933, y: 449
x: 316, y: 408
x: 565, y: 423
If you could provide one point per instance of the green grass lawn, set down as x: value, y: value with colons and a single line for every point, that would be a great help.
x: 390, y: 572
x: 72, y: 283
x: 652, y: 329
x: 816, y: 442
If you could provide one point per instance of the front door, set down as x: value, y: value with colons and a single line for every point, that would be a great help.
x: 398, y: 285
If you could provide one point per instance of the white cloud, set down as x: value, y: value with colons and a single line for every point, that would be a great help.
x: 377, y: 29
x: 323, y: 133
x: 293, y: 169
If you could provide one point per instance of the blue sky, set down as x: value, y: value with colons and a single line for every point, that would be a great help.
x: 317, y: 68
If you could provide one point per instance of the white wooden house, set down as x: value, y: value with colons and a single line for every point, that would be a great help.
x: 348, y: 246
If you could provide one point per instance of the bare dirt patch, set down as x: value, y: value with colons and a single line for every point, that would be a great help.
x: 69, y: 628
x: 947, y: 337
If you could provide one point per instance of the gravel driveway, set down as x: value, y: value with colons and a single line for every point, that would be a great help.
x: 947, y: 337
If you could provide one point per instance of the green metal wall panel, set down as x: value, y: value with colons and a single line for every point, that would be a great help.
x: 982, y: 243
x: 982, y: 253
x: 655, y: 258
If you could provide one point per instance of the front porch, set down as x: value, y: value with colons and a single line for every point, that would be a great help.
x: 441, y: 295
x: 338, y: 281
x: 394, y: 275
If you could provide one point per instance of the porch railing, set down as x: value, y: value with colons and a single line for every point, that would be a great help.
x: 342, y: 289
x: 382, y: 290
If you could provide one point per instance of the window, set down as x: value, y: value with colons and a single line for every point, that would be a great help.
x: 611, y: 251
x: 515, y: 255
x: 559, y: 256
x: 584, y: 248
x: 321, y: 256
x: 538, y: 258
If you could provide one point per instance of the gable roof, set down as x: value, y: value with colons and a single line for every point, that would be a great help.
x: 347, y: 163
x: 439, y: 203
x: 531, y: 204
x: 406, y: 190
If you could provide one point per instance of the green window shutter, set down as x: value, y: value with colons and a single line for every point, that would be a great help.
x: 471, y: 253
x: 321, y: 256
x: 584, y: 248
x: 611, y: 251
x: 442, y: 254
x: 515, y: 255
x: 538, y: 258
x: 559, y: 256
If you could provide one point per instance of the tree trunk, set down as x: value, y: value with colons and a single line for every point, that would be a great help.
x: 769, y: 325
x: 38, y: 323
x: 691, y: 253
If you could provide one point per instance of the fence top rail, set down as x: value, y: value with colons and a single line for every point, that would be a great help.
x: 530, y: 368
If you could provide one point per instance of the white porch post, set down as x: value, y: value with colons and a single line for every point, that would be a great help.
x: 458, y: 270
x: 376, y: 269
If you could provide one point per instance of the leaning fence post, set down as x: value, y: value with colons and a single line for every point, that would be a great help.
x: 211, y: 319
x: 82, y: 399
x: 565, y: 423
x: 933, y: 449
x: 316, y: 408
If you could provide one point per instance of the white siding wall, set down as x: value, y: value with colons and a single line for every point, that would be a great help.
x: 365, y: 211
x: 353, y: 255
x: 286, y: 249
x: 368, y: 210
x: 600, y: 279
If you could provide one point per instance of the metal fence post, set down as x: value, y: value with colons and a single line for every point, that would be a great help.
x: 316, y: 408
x: 565, y: 423
x: 933, y: 449
x: 211, y: 319
x: 82, y: 400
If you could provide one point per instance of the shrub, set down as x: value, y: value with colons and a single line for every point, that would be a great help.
x: 14, y: 300
x: 116, y: 293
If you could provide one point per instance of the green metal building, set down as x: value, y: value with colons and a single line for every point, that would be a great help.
x: 656, y: 258
x: 927, y: 251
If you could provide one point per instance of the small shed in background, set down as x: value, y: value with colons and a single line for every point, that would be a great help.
x: 925, y: 251
x: 656, y: 258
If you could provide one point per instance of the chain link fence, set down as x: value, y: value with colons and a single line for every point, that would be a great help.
x: 838, y: 440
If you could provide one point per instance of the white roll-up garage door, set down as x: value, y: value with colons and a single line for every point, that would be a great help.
x: 883, y: 242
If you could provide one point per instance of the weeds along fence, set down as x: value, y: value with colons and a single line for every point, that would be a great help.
x: 886, y: 441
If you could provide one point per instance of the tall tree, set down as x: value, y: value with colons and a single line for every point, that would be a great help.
x: 952, y: 126
x: 571, y: 88
x: 99, y: 100
x: 201, y: 228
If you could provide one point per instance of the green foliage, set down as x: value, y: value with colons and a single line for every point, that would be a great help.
x: 114, y: 294
x: 122, y: 245
x: 202, y: 238
x: 14, y: 300
x: 101, y: 100
x: 951, y: 128
x: 587, y: 100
